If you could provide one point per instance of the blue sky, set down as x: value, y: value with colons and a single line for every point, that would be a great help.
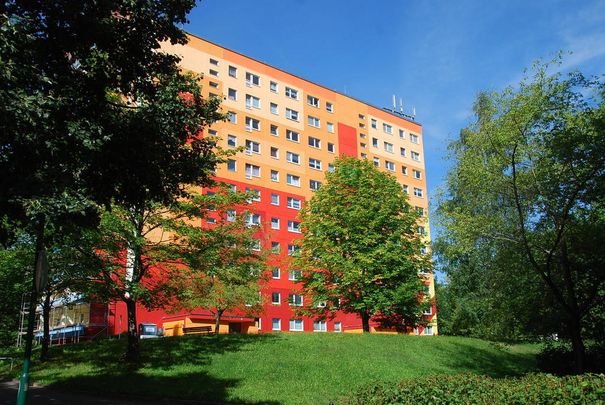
x: 435, y: 55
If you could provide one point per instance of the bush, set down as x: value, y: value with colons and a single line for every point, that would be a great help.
x: 534, y: 389
x: 557, y: 358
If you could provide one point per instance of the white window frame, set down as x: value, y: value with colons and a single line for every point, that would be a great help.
x: 274, y: 199
x: 330, y: 127
x: 313, y: 121
x: 278, y: 324
x: 418, y: 192
x: 320, y: 326
x: 232, y: 71
x: 274, y: 175
x: 293, y: 158
x: 252, y: 147
x: 417, y: 174
x: 252, y: 101
x: 414, y: 138
x: 313, y: 101
x: 338, y: 329
x: 295, y: 300
x: 294, y: 226
x: 275, y: 223
x: 294, y: 203
x: 293, y: 180
x: 273, y: 86
x: 232, y: 165
x: 252, y: 79
x: 252, y: 124
x: 232, y: 141
x: 389, y: 165
x: 415, y: 156
x: 291, y: 93
x: 273, y: 294
x: 387, y: 128
x: 329, y: 107
x: 232, y: 94
x: 252, y: 170
x: 273, y: 270
x: 274, y: 108
x: 293, y: 136
x: 292, y: 114
x: 294, y: 275
x: 315, y: 163
x: 331, y: 147
x: 274, y: 130
x: 388, y: 147
x: 294, y: 325
x: 314, y: 142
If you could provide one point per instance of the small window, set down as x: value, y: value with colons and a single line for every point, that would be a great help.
x: 275, y: 298
x: 314, y: 142
x: 232, y: 117
x: 330, y: 147
x: 313, y: 101
x: 253, y: 220
x: 213, y: 72
x: 293, y: 180
x: 252, y: 147
x: 418, y: 192
x: 364, y: 155
x: 375, y: 142
x: 294, y: 226
x: 274, y: 223
x: 256, y: 245
x: 361, y: 116
x: 294, y: 203
x: 389, y: 165
x: 313, y: 121
x: 428, y: 330
x: 292, y: 157
x: 296, y: 325
x: 274, y: 130
x: 330, y: 127
x: 275, y: 273
x: 294, y: 275
x: 404, y: 170
x: 252, y: 79
x: 291, y: 114
x: 373, y: 123
x: 292, y: 136
x: 292, y: 249
x: 315, y: 163
x: 320, y: 326
x: 233, y: 71
x: 414, y: 138
x: 214, y: 85
x: 387, y: 128
x: 273, y: 87
x: 213, y: 62
x: 275, y: 324
x: 292, y: 93
x: 275, y: 199
x: 421, y: 230
x: 252, y: 124
x: 274, y: 175
x: 337, y: 327
x: 274, y: 109
x: 255, y: 194
x: 275, y: 247
x: 232, y: 141
x: 420, y: 211
x: 231, y: 165
x: 331, y: 167
x: 231, y: 215
x: 388, y: 147
x: 252, y: 170
x: 296, y: 300
x: 362, y: 145
x: 329, y: 107
x: 376, y: 162
x: 252, y: 101
x: 314, y: 185
x: 401, y: 134
x: 274, y: 152
x: 402, y: 152
x: 417, y: 174
x: 405, y: 188
x: 415, y: 156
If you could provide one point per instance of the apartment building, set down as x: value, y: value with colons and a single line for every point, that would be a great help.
x: 292, y: 129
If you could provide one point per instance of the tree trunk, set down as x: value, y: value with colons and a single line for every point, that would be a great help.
x: 133, y: 352
x: 46, y: 333
x: 217, y: 321
x: 577, y: 344
x: 365, y: 321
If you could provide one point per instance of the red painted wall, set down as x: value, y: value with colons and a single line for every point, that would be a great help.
x: 347, y: 140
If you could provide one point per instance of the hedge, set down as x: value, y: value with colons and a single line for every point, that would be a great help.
x: 534, y: 389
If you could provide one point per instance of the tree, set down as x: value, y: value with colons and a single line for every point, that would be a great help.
x: 223, y: 262
x: 528, y: 185
x: 360, y: 252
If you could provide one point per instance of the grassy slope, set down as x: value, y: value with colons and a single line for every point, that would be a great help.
x: 284, y: 368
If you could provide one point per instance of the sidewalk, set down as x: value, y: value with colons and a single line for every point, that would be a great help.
x: 43, y: 396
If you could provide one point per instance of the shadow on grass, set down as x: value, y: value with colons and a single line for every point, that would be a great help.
x: 497, y: 361
x: 171, y: 368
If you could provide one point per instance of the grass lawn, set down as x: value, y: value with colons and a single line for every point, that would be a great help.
x: 272, y: 369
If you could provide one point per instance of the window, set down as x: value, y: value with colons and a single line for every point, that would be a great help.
x: 313, y: 121
x: 213, y: 95
x: 417, y: 192
x: 404, y: 170
x: 292, y: 249
x: 294, y: 275
x: 294, y: 203
x: 275, y: 248
x: 420, y: 211
x: 361, y: 116
x: 275, y: 324
x: 413, y: 138
x: 233, y: 71
x: 213, y: 72
x: 292, y: 157
x: 294, y: 226
x: 292, y: 93
x: 274, y: 152
x: 319, y: 326
x: 388, y: 147
x: 415, y: 156
x: 401, y: 134
x: 231, y: 141
x: 296, y: 325
x: 214, y: 85
x: 313, y: 101
x: 276, y: 273
x: 252, y: 124
x: 210, y: 220
x: 232, y: 188
x: 231, y: 165
x: 315, y: 164
x: 362, y: 145
x: 364, y: 155
x: 252, y: 101
x: 273, y: 86
x: 212, y: 132
x: 256, y: 244
x: 330, y: 127
x: 337, y: 327
x: 362, y: 125
x: 252, y: 79
x: 417, y: 174
x: 275, y: 298
x: 314, y: 142
x: 376, y: 162
x: 252, y: 147
x: 423, y: 250
x: 329, y: 107
x: 331, y: 167
x: 387, y: 128
x: 274, y: 175
x: 362, y: 135
x: 274, y: 130
x: 253, y: 219
x: 252, y: 170
x: 274, y: 223
x: 255, y: 193
x: 292, y: 136
x: 375, y: 142
x: 232, y: 117
x: 330, y: 147
x: 296, y: 300
x: 373, y: 123
x: 405, y: 188
x: 402, y: 152
x: 389, y: 165
x: 293, y: 180
x: 231, y: 215
x: 428, y: 330
x: 291, y: 114
x: 275, y: 199
x: 314, y: 185
x: 421, y: 230
x: 274, y: 109
x: 232, y: 94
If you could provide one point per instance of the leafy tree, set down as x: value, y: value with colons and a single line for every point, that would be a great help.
x: 223, y: 266
x: 360, y: 252
x: 528, y: 185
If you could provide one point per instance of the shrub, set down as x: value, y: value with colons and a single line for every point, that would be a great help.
x: 533, y: 389
x: 557, y: 358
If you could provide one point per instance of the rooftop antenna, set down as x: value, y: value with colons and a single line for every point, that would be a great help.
x: 394, y: 103
x: 400, y: 105
x: 414, y: 112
